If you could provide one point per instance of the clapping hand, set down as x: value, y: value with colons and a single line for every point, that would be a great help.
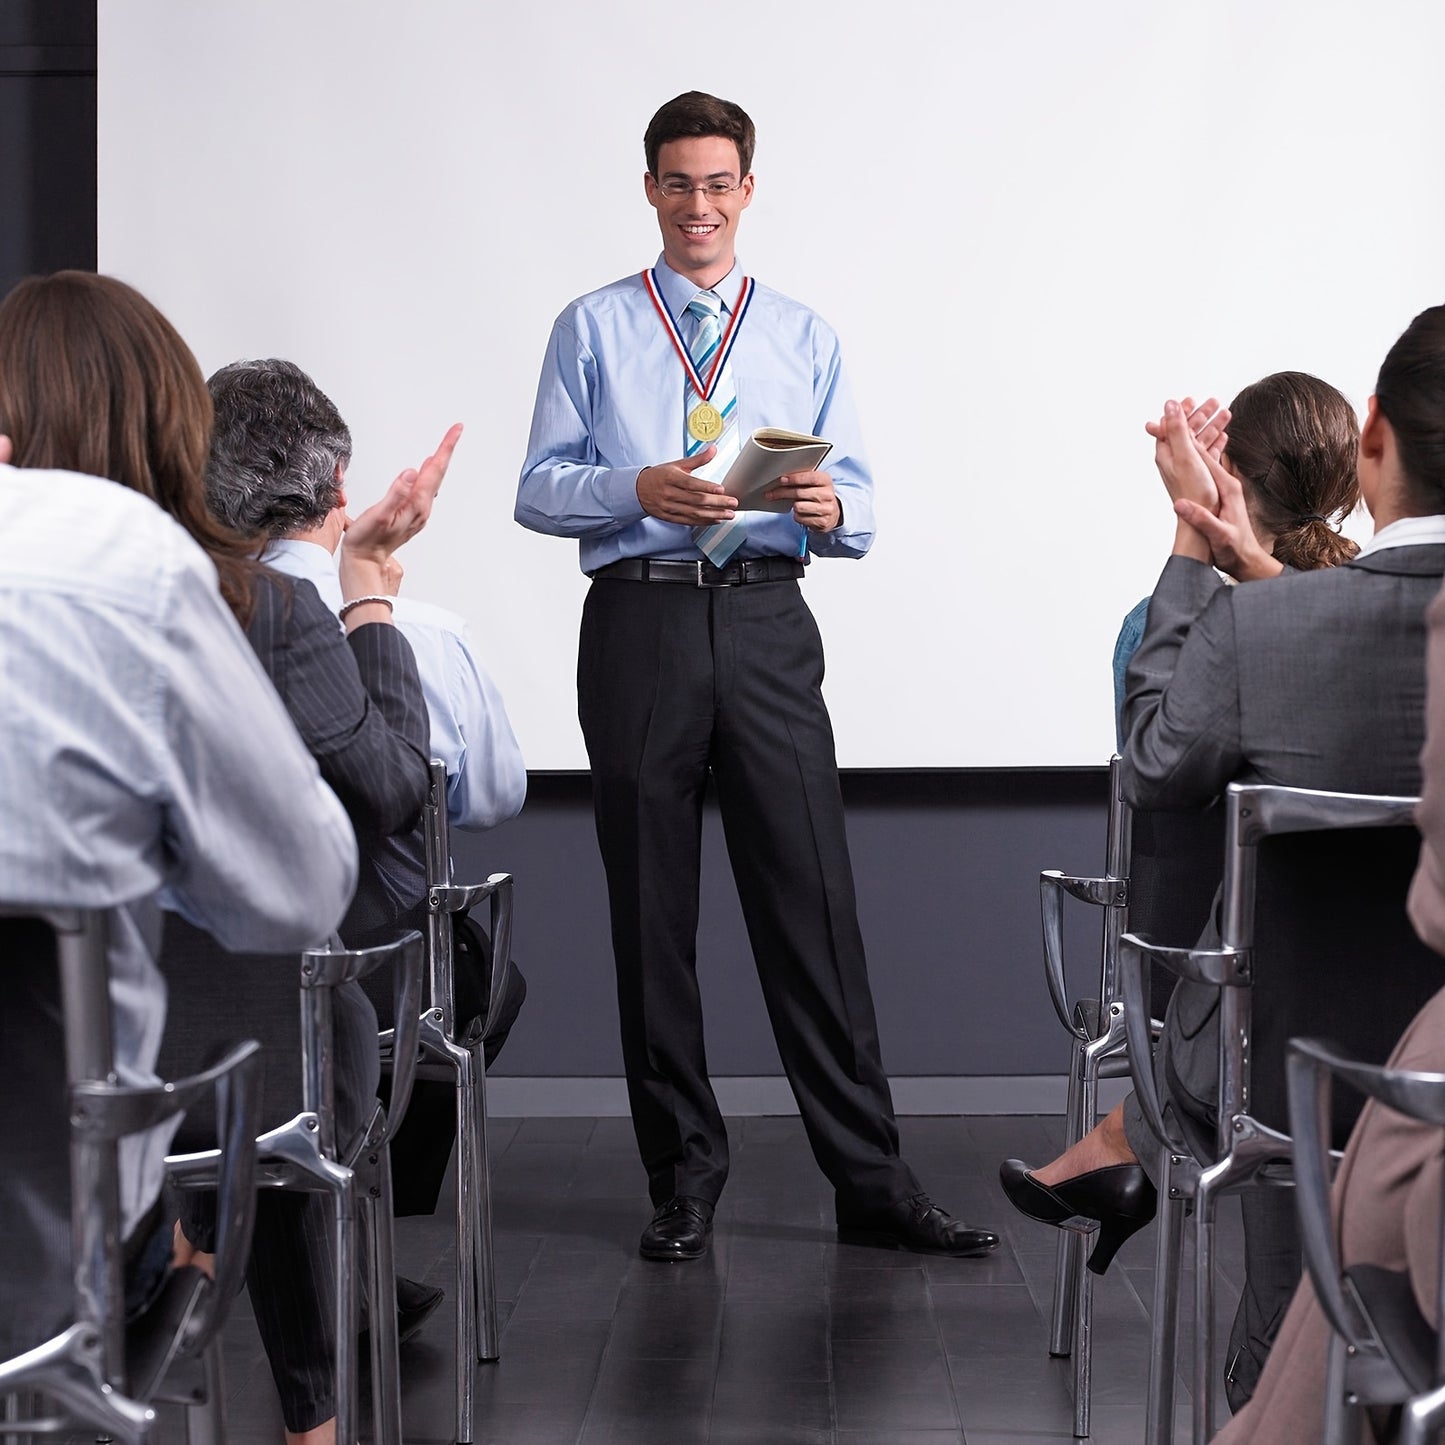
x: 368, y: 566
x: 1183, y: 437
x: 1233, y: 546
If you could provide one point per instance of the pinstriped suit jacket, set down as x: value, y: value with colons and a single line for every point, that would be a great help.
x: 357, y: 702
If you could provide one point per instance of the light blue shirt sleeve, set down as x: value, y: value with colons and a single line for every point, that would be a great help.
x: 470, y: 730
x: 610, y: 401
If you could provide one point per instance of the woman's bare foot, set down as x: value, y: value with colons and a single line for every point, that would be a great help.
x: 1103, y: 1145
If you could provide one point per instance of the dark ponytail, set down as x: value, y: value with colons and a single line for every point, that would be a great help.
x: 1294, y: 441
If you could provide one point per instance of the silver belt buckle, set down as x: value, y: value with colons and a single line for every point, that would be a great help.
x: 721, y: 582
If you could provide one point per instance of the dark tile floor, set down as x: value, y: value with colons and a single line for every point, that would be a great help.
x: 781, y: 1336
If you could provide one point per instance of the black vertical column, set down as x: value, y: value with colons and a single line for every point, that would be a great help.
x: 47, y: 137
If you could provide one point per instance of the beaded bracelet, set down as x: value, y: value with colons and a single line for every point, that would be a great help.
x: 361, y: 602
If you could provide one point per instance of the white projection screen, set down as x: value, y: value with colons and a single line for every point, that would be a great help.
x: 1029, y: 224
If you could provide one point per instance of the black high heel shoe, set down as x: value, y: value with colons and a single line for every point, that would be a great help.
x: 1120, y: 1197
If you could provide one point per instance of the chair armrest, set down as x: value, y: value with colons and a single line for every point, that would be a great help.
x: 500, y: 886
x: 406, y: 1000
x: 1264, y: 809
x: 1308, y: 1066
x: 1217, y: 967
x: 459, y: 897
x: 1134, y: 989
x: 235, y: 1083
x: 1105, y: 893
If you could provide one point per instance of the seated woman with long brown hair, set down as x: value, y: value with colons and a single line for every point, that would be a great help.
x: 136, y: 410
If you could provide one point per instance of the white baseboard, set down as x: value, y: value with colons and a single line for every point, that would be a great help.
x: 514, y: 1097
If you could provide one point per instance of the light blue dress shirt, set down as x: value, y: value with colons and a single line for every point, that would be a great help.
x: 147, y: 758
x: 610, y: 402
x: 470, y: 730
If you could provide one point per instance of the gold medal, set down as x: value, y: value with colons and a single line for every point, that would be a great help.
x: 704, y: 422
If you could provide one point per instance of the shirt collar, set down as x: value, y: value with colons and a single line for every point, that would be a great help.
x: 1407, y: 532
x: 677, y: 290
x: 309, y: 559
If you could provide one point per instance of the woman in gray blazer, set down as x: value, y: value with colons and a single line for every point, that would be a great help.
x: 1311, y: 680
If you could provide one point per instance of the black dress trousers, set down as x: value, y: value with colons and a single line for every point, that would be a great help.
x: 675, y: 681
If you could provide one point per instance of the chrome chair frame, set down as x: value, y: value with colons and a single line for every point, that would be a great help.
x: 1247, y: 1151
x: 1095, y: 1025
x: 101, y: 1375
x: 1361, y: 1369
x: 305, y: 1154
x: 457, y: 1056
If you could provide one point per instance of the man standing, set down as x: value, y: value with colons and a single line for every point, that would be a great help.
x: 698, y: 655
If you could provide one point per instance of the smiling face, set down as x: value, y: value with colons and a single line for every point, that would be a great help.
x: 698, y: 230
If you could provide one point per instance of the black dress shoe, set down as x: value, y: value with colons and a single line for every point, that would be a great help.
x: 415, y: 1305
x: 916, y: 1223
x: 1119, y: 1196
x: 680, y: 1229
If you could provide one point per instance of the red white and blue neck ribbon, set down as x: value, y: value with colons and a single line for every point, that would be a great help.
x: 704, y: 389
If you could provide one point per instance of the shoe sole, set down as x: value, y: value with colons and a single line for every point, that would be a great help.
x: 879, y: 1239
x: 671, y: 1256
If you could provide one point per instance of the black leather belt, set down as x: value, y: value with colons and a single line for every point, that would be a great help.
x: 704, y: 574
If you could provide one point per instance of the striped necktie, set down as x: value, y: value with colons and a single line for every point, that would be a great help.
x: 719, y: 541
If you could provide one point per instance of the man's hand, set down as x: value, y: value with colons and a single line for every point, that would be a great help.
x: 1179, y: 436
x: 815, y: 502
x: 1232, y: 543
x: 5, y: 451
x: 367, y: 564
x: 670, y: 492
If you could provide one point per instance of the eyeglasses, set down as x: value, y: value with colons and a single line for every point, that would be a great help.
x: 675, y: 189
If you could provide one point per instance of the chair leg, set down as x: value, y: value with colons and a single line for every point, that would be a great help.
x: 18, y: 1406
x: 376, y: 1210
x: 1164, y: 1319
x: 206, y: 1419
x: 466, y: 1341
x: 344, y: 1200
x: 488, y: 1337
x: 1083, y: 1344
x: 1206, y: 1392
x: 1068, y: 1257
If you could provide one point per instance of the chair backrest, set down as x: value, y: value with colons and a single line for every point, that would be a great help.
x: 322, y: 971
x: 446, y: 899
x: 1419, y: 1095
x: 1175, y: 865
x: 1314, y: 896
x: 1110, y: 892
x: 1310, y: 933
x: 60, y: 958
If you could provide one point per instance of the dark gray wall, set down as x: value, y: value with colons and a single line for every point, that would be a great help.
x: 47, y: 137
x: 947, y: 867
x: 947, y: 863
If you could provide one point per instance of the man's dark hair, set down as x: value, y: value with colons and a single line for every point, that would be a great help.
x: 696, y: 114
x: 275, y: 448
x: 1411, y: 395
